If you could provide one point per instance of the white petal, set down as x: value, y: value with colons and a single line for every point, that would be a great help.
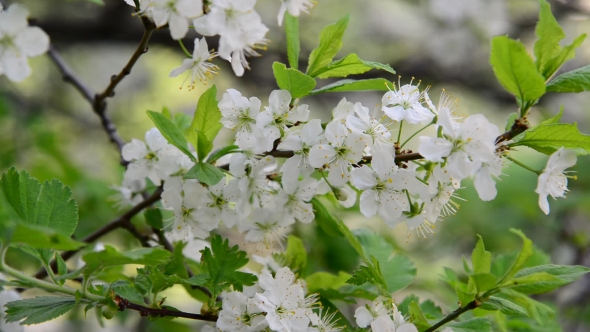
x: 32, y: 41
x: 369, y: 204
x: 16, y: 67
x: 364, y: 178
x: 178, y: 26
x: 434, y: 148
x: 321, y: 154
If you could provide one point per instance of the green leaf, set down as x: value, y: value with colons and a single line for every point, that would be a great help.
x: 472, y: 325
x: 330, y: 44
x: 295, y: 257
x: 171, y: 132
x: 536, y: 283
x: 204, y: 146
x: 537, y: 310
x: 562, y: 275
x: 417, y: 316
x: 549, y: 33
x: 292, y: 34
x: 567, y: 53
x: 548, y: 138
x: 62, y: 268
x: 372, y: 84
x: 292, y: 80
x: 350, y: 65
x: 523, y: 256
x: 221, y: 152
x: 397, y: 270
x: 153, y: 217
x: 573, y: 81
x: 205, y: 173
x: 483, y: 281
x: 98, y: 2
x: 325, y: 280
x: 157, y: 281
x: 481, y: 260
x: 206, y: 119
x: 515, y: 69
x: 126, y: 290
x: 43, y: 238
x: 113, y: 257
x: 221, y: 264
x: 505, y: 306
x: 48, y: 205
x: 39, y: 309
x: 334, y: 226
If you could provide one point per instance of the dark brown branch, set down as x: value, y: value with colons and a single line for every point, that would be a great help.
x: 69, y: 76
x: 123, y: 221
x: 153, y: 312
x: 453, y: 315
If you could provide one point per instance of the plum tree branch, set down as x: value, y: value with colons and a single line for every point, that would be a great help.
x: 453, y: 315
x: 153, y: 312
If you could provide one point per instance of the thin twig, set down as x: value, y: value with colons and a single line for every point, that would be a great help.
x: 153, y: 312
x: 123, y: 221
x: 453, y: 315
x: 69, y: 76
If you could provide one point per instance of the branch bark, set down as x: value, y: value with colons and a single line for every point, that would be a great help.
x: 153, y: 312
x: 453, y: 315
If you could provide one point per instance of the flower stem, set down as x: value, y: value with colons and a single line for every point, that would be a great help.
x: 188, y: 54
x: 523, y: 165
x: 399, y: 134
x: 414, y: 134
x: 42, y: 284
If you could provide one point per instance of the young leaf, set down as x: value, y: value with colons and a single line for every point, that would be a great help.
x: 573, y: 81
x: 515, y: 69
x: 43, y: 238
x: 472, y: 325
x: 49, y: 205
x: 510, y: 121
x: 548, y: 138
x: 481, y: 260
x: 350, y: 65
x: 483, y: 281
x: 39, y: 309
x: 113, y: 257
x: 204, y: 146
x: 205, y: 173
x: 505, y: 306
x: 397, y: 270
x: 222, y: 263
x: 221, y: 152
x: 567, y: 53
x: 563, y: 275
x: 523, y: 256
x: 171, y: 132
x: 417, y: 316
x: 537, y: 310
x: 549, y: 33
x: 325, y: 280
x: 153, y: 217
x: 206, y: 118
x: 292, y: 80
x: 295, y: 257
x: 330, y: 44
x: 536, y: 283
x: 292, y: 34
x: 334, y: 226
x: 372, y: 84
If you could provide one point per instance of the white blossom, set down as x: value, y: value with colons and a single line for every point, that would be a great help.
x: 176, y: 13
x: 198, y: 66
x: 147, y: 158
x: 376, y: 134
x: 265, y: 227
x: 405, y: 103
x: 294, y: 7
x: 18, y: 42
x: 239, y: 114
x: 278, y: 116
x: 240, y: 314
x: 301, y: 143
x: 552, y: 181
x: 294, y: 199
x: 342, y: 150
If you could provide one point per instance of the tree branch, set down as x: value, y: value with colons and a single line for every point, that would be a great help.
x: 123, y: 221
x: 69, y: 76
x: 453, y: 315
x: 153, y: 312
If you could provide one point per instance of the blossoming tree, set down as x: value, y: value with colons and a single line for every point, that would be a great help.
x: 285, y: 167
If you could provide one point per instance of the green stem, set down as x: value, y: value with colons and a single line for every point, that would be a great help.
x: 453, y: 315
x: 399, y: 134
x: 523, y: 165
x: 188, y: 54
x: 41, y: 284
x: 414, y: 134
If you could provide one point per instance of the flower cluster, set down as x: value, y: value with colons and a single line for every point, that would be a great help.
x: 18, y: 42
x: 278, y: 302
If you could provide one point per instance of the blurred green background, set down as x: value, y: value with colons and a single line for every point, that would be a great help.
x: 49, y: 130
